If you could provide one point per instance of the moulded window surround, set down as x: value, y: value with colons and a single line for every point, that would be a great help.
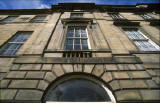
x: 9, y: 19
x: 78, y: 89
x: 77, y: 38
x: 14, y: 44
x: 140, y: 40
x: 76, y: 15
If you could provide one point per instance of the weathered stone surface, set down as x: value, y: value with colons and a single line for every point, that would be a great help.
x: 114, y: 85
x: 16, y: 74
x: 128, y: 95
x: 57, y: 69
x: 120, y: 75
x: 7, y: 94
x: 29, y: 95
x: 15, y: 67
x: 132, y: 84
x: 98, y: 70
x: 30, y: 67
x: 23, y: 84
x: 50, y: 76
x: 152, y: 84
x: 150, y: 94
x: 132, y: 67
x: 2, y: 75
x: 107, y: 76
x: 67, y: 68
x: 4, y: 83
x: 78, y: 67
x: 47, y: 67
x: 35, y: 75
x: 139, y: 66
x: 111, y: 67
x: 123, y: 67
x: 140, y: 74
x: 43, y: 85
x: 88, y: 68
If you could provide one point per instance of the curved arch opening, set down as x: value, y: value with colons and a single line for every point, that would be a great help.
x: 78, y: 88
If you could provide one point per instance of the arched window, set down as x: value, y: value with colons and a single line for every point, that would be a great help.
x: 78, y: 90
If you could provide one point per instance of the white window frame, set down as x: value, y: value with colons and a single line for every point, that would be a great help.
x: 80, y: 38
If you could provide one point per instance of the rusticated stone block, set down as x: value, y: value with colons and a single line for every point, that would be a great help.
x: 35, y: 75
x: 15, y: 67
x: 7, y: 94
x: 16, y: 74
x: 30, y: 67
x: 120, y: 75
x: 50, y: 76
x: 88, y: 68
x: 47, y: 67
x: 23, y: 84
x: 128, y: 95
x: 107, y: 76
x: 98, y: 70
x: 43, y: 85
x: 150, y: 94
x: 4, y: 83
x: 78, y: 67
x: 140, y: 74
x: 152, y: 84
x: 114, y: 85
x: 67, y: 68
x: 57, y: 69
x: 110, y: 67
x: 132, y: 67
x: 132, y: 84
x: 29, y: 95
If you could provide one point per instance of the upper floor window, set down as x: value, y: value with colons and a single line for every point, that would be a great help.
x: 14, y: 44
x: 9, y: 18
x: 140, y: 40
x: 145, y: 16
x: 77, y: 38
x: 38, y: 19
x: 24, y: 18
x: 76, y: 15
x: 116, y: 16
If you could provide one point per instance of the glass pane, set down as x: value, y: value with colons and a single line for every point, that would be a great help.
x: 84, y: 47
x: 83, y: 32
x: 77, y: 47
x: 39, y: 18
x: 84, y: 41
x: 77, y: 41
x: 77, y: 32
x: 69, y: 41
x: 69, y: 47
x: 77, y: 90
x: 70, y: 32
x: 10, y: 18
x: 11, y: 49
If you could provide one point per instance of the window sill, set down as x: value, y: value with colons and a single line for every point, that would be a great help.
x: 145, y: 52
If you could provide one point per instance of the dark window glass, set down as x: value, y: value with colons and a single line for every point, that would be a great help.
x: 14, y: 44
x: 77, y: 90
x: 38, y: 19
x: 9, y: 18
x: 76, y: 15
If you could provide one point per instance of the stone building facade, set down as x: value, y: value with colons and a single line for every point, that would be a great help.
x: 113, y: 51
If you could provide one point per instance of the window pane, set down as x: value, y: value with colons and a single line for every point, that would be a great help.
x: 77, y: 32
x: 84, y: 41
x: 38, y: 18
x: 9, y: 18
x: 69, y: 41
x: 11, y: 49
x: 77, y: 90
x: 70, y: 32
x: 77, y: 47
x: 83, y: 32
x: 21, y: 37
x: 69, y: 47
x: 84, y: 47
x: 77, y: 41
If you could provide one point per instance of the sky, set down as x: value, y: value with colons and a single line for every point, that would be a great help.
x: 41, y: 4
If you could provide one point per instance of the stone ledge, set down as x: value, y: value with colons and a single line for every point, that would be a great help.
x: 94, y: 60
